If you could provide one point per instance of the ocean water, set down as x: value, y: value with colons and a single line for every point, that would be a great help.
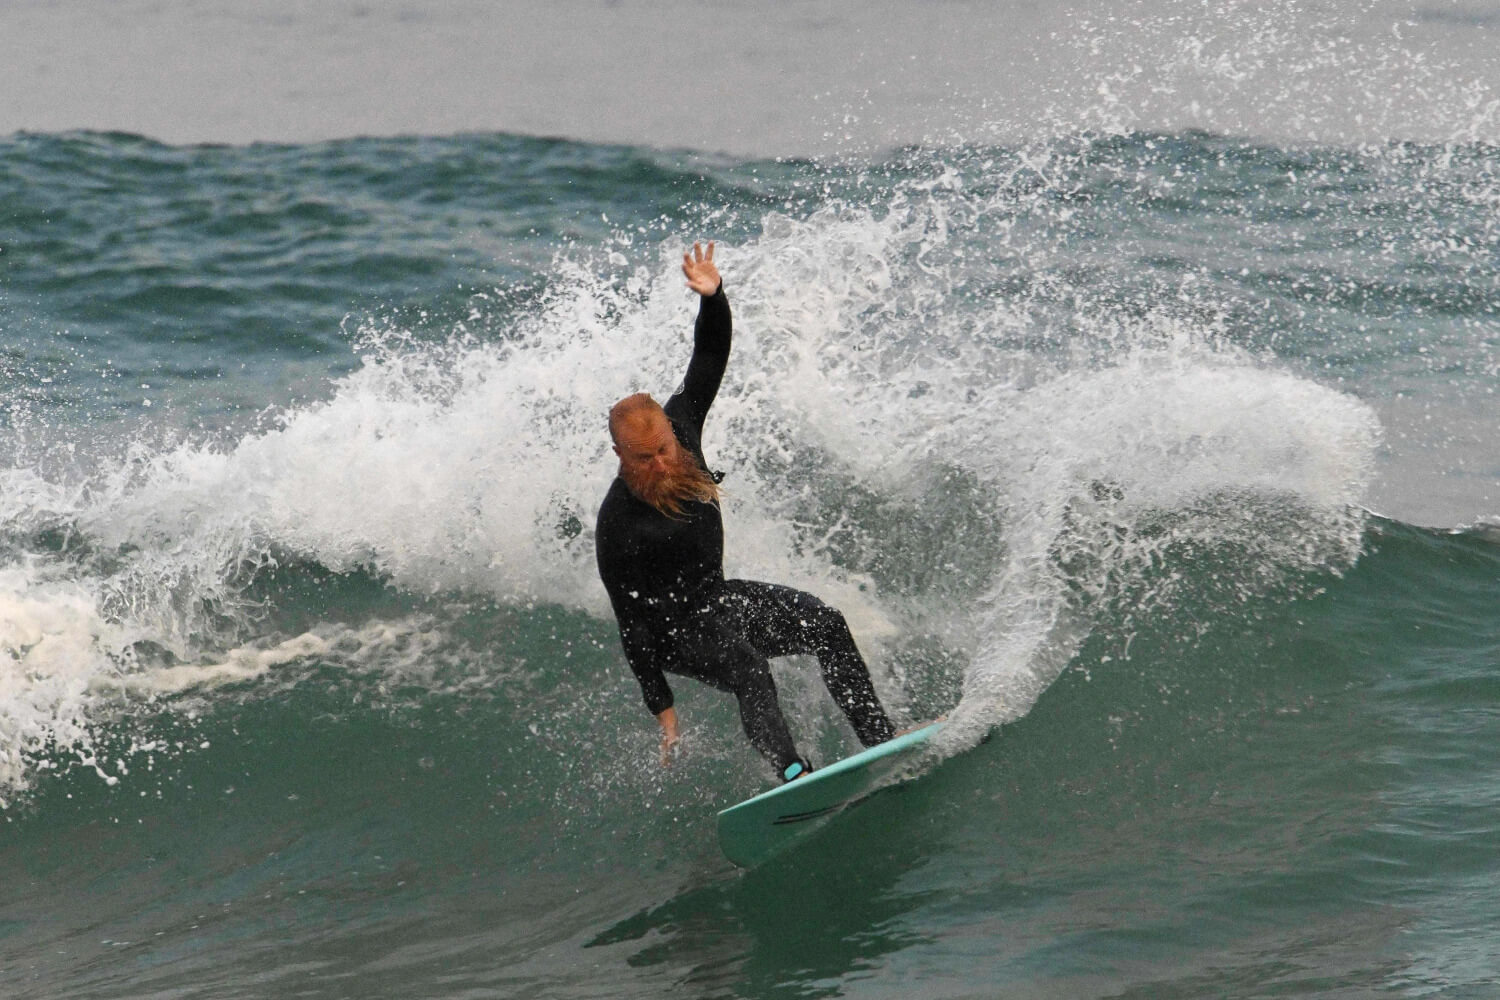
x: 1126, y: 374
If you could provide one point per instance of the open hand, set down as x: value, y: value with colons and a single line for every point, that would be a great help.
x: 702, y: 275
x: 669, y: 738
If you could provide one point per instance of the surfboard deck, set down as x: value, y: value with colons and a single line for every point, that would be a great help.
x: 760, y: 827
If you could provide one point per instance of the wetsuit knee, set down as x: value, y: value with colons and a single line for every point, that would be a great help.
x: 825, y: 622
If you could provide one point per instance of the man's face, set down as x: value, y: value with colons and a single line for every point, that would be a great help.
x: 649, y: 453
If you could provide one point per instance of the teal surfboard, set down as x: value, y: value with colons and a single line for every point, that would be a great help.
x: 757, y: 828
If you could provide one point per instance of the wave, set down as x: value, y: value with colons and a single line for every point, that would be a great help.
x: 967, y: 474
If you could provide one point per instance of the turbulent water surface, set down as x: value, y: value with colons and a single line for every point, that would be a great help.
x: 1155, y: 448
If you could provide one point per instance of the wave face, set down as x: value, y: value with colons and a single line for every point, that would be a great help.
x: 309, y: 682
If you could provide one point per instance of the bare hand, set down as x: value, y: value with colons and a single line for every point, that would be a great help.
x: 669, y: 737
x: 669, y: 745
x: 702, y: 275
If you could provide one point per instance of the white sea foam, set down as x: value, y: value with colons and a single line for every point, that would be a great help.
x: 1119, y: 449
x: 53, y: 643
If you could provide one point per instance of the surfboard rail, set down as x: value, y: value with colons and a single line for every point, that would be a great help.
x: 765, y: 824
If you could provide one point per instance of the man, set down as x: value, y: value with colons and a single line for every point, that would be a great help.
x: 660, y: 546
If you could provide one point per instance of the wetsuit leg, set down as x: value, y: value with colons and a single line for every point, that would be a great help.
x: 781, y: 621
x: 725, y: 660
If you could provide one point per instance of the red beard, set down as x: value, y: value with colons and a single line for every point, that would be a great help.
x: 685, y: 481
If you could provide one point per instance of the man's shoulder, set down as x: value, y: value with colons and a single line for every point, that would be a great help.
x: 619, y: 508
x: 617, y: 494
x: 682, y: 427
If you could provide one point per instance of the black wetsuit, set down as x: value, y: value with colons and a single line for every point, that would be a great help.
x: 677, y: 613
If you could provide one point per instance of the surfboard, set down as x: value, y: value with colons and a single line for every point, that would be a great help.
x: 760, y: 827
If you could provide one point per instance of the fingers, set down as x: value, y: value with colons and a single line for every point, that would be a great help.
x: 668, y: 747
x: 698, y: 256
x: 698, y: 267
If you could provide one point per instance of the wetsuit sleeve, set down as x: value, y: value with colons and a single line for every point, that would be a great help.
x: 711, y: 339
x: 638, y: 653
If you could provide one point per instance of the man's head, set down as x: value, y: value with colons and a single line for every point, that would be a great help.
x: 654, y: 465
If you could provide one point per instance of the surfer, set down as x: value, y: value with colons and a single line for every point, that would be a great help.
x: 660, y: 546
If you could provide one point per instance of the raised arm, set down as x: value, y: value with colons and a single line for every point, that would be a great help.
x: 712, y: 334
